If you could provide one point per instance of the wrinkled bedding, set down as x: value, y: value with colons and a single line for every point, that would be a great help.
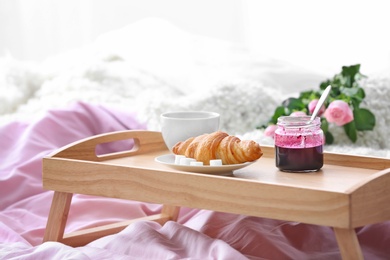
x: 198, y: 234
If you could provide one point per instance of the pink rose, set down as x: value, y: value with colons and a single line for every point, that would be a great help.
x: 270, y: 130
x: 339, y: 112
x: 298, y: 113
x: 312, y: 106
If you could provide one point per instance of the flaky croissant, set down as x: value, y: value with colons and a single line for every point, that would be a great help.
x: 219, y: 145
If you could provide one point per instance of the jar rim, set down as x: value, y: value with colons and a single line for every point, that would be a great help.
x: 298, y: 121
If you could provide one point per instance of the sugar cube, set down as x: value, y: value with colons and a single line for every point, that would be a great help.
x: 216, y: 162
x: 186, y: 161
x: 178, y: 157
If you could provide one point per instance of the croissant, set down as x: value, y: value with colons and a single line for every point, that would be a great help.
x: 219, y: 145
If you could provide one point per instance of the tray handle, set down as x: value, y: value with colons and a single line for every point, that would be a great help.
x: 85, y: 149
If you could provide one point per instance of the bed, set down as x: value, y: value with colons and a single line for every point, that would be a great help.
x: 116, y: 85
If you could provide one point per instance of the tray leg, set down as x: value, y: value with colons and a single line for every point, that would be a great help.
x: 348, y: 243
x: 171, y: 211
x: 58, y: 216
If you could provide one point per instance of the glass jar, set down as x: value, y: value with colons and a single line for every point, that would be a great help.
x: 299, y: 144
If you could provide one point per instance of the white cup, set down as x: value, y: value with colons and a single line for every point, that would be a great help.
x: 181, y: 125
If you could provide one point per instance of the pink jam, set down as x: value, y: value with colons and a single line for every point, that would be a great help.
x: 299, y: 144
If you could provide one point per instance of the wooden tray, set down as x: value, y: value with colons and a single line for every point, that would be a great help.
x: 349, y: 191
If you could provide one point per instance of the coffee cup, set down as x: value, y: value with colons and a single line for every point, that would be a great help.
x: 180, y: 125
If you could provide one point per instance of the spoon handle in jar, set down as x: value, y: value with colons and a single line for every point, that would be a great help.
x: 323, y: 97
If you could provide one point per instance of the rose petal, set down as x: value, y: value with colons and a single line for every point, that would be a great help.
x: 270, y: 130
x: 312, y: 105
x: 298, y: 113
x: 339, y: 112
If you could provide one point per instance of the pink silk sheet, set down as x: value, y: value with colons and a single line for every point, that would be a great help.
x: 198, y: 234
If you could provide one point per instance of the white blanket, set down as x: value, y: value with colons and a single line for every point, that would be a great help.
x: 151, y: 67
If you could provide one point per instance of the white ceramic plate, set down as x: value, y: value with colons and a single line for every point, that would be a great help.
x: 169, y: 160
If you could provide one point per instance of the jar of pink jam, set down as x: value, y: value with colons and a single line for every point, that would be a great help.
x: 299, y: 144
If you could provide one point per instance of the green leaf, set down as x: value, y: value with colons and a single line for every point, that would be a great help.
x: 325, y: 84
x: 358, y: 97
x: 349, y: 73
x: 361, y: 93
x: 294, y: 104
x: 279, y: 111
x: 308, y: 96
x: 364, y: 119
x: 350, y: 92
x: 350, y: 70
x: 350, y: 130
x: 328, y: 137
x: 324, y: 124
